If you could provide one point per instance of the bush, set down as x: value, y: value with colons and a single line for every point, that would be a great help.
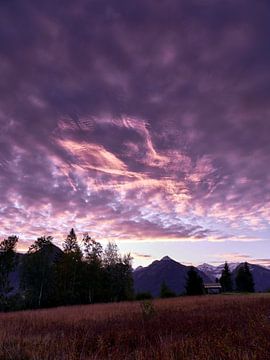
x: 148, y: 309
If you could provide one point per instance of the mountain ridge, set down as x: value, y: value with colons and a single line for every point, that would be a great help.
x: 150, y: 278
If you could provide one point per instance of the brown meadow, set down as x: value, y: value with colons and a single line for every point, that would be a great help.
x: 235, y: 327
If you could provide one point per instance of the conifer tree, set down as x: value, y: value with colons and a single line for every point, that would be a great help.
x: 194, y: 283
x: 69, y: 271
x: 226, y: 278
x: 244, y: 279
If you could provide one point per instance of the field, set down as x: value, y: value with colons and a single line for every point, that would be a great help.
x: 196, y: 328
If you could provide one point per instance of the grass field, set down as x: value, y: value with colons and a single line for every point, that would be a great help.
x: 196, y: 328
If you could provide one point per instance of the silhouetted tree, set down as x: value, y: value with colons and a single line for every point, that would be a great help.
x: 165, y: 291
x: 69, y: 272
x: 93, y: 270
x: 111, y: 254
x: 244, y: 279
x: 7, y: 265
x: 226, y: 278
x: 118, y: 274
x: 194, y: 283
x: 126, y: 289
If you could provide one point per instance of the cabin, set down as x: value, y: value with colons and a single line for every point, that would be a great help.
x: 212, y: 288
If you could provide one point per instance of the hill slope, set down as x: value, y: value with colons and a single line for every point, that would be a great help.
x: 173, y: 273
x: 14, y: 277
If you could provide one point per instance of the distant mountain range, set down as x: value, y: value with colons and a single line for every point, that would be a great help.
x: 150, y: 278
x: 214, y: 272
x: 173, y: 273
x: 261, y: 274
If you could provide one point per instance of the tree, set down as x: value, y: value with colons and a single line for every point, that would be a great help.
x: 7, y: 262
x: 118, y: 274
x: 69, y: 272
x: 127, y: 289
x: 194, y: 283
x: 71, y: 244
x: 93, y: 271
x: 244, y: 279
x: 37, y: 273
x: 226, y: 278
x: 92, y: 249
x: 165, y: 291
x: 111, y: 254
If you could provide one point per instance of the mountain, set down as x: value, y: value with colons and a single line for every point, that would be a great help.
x: 150, y: 278
x: 261, y: 276
x: 138, y: 268
x: 14, y: 277
x: 214, y: 272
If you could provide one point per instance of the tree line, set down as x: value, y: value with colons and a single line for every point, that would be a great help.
x: 85, y: 274
x: 77, y: 275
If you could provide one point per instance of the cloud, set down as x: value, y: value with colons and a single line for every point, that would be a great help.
x: 238, y: 257
x: 146, y: 122
x: 141, y: 256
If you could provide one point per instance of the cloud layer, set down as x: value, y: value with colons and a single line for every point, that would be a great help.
x: 135, y: 121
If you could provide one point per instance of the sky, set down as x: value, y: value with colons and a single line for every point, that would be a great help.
x: 142, y: 122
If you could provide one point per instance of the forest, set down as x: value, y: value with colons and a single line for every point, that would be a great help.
x: 77, y: 275
x: 84, y: 273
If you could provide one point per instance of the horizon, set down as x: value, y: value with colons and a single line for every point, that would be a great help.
x: 144, y: 124
x: 151, y: 260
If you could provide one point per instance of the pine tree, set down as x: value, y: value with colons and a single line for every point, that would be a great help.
x: 226, y: 278
x: 194, y: 283
x: 244, y: 279
x: 69, y: 271
x: 71, y: 244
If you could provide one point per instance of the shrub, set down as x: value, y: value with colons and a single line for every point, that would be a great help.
x: 148, y: 309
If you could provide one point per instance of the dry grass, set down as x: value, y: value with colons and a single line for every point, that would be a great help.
x: 199, y: 328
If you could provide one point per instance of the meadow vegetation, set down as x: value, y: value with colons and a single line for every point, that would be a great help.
x: 213, y: 327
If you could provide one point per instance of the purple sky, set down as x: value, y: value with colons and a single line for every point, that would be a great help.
x: 145, y: 122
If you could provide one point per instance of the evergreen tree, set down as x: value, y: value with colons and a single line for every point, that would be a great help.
x: 226, y: 278
x: 71, y: 246
x: 69, y: 272
x: 165, y: 291
x: 194, y: 283
x: 244, y: 279
x: 8, y: 261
